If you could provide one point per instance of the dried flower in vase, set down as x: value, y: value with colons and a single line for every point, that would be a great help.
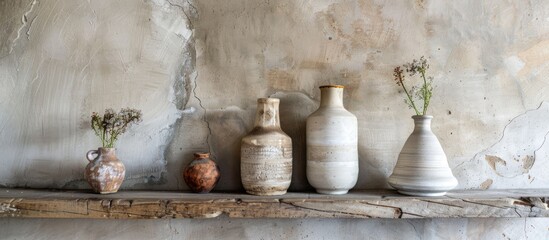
x: 109, y: 127
x: 419, y: 93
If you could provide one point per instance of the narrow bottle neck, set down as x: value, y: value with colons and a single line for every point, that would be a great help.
x: 106, y: 154
x: 331, y: 97
x: 200, y: 155
x: 267, y: 115
x: 106, y: 151
x: 422, y: 122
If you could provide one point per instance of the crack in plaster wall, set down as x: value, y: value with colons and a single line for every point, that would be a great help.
x: 510, y: 161
x: 24, y: 21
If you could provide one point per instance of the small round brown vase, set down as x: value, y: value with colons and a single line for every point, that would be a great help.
x: 202, y: 174
x: 105, y: 172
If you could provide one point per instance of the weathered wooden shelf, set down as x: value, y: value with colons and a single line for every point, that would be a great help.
x: 27, y: 203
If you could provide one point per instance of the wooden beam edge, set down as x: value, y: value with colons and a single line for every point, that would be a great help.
x: 274, y: 208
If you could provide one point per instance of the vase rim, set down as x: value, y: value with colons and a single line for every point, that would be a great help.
x: 422, y: 116
x: 331, y: 86
x: 266, y: 100
x: 106, y: 150
x: 202, y: 155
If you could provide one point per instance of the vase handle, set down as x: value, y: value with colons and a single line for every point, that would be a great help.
x: 90, y: 154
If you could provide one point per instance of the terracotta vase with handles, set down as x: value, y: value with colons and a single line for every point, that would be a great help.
x: 105, y: 172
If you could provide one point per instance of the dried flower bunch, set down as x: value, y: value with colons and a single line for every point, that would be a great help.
x: 112, y: 124
x: 416, y: 93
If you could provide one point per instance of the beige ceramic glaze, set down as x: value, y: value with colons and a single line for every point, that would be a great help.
x: 266, y: 153
x: 332, y: 140
x: 422, y: 168
x: 105, y: 173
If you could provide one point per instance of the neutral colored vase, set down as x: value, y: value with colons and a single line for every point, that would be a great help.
x: 105, y: 173
x: 202, y: 173
x: 332, y: 142
x: 422, y: 168
x: 266, y: 153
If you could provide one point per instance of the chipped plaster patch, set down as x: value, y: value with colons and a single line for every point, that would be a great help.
x: 511, y: 161
x: 7, y: 208
x: 486, y: 184
x: 493, y: 160
x: 517, y: 166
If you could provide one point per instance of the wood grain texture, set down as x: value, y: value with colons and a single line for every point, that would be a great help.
x: 26, y: 203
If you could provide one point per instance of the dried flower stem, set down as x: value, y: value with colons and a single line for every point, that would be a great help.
x: 426, y: 90
x: 400, y: 78
x: 426, y: 93
x: 111, y: 124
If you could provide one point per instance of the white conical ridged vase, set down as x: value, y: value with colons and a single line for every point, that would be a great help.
x: 422, y: 167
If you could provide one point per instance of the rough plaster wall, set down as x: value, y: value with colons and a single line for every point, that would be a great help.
x: 62, y: 60
x: 489, y: 60
x: 313, y: 229
x: 195, y: 68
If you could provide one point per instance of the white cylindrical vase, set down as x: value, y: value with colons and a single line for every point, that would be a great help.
x: 332, y: 144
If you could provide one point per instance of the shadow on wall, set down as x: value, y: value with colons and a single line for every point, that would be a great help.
x: 227, y: 129
x: 294, y: 109
x: 38, y: 168
x: 370, y: 176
